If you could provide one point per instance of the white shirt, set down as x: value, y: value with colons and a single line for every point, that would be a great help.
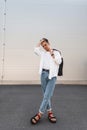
x: 48, y: 61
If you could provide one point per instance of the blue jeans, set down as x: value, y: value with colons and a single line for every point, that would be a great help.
x: 48, y: 86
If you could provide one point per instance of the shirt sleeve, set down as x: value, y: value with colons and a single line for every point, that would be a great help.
x: 37, y: 51
x: 57, y: 58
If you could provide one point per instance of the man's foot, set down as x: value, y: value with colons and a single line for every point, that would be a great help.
x: 34, y: 120
x: 51, y: 117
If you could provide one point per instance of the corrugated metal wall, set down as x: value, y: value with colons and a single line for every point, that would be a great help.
x: 63, y: 23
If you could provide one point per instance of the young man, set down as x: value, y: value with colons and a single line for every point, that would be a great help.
x: 49, y: 64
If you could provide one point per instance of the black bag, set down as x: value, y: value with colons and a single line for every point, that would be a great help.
x: 60, y: 71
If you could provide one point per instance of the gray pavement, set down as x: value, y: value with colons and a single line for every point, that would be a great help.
x: 18, y: 103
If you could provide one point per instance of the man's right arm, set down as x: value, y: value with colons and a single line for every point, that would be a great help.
x: 37, y: 49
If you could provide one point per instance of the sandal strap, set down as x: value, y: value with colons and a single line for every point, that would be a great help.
x: 38, y: 116
x: 34, y: 117
x: 50, y: 113
x: 52, y: 117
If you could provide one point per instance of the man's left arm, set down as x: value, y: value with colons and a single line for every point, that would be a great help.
x: 56, y: 57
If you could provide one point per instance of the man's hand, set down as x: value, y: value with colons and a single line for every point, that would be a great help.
x: 41, y: 41
x: 52, y: 53
x: 38, y: 45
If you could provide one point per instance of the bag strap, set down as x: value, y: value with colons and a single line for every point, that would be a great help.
x: 57, y: 50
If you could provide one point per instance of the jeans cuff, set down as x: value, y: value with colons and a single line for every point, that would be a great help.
x: 49, y: 109
x: 41, y: 112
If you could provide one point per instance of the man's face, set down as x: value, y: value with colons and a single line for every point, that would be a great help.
x: 45, y: 45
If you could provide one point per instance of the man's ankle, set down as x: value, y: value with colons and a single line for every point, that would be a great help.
x: 50, y: 112
x: 40, y: 114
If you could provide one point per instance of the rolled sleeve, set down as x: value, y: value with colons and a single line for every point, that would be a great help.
x: 37, y: 51
x: 57, y: 58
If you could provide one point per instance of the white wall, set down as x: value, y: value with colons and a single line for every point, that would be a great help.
x: 63, y: 22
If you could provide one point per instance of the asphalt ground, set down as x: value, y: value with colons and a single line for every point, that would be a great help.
x: 18, y: 103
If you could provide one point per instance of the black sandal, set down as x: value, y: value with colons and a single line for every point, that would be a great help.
x: 34, y: 120
x: 51, y: 118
